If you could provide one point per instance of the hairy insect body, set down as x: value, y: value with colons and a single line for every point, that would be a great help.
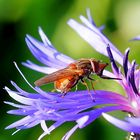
x: 65, y: 79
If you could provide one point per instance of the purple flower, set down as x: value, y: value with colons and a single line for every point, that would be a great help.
x: 44, y: 106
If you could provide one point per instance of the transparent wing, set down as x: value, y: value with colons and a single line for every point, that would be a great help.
x: 63, y: 73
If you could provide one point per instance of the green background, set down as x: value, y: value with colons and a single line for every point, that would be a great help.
x: 18, y: 18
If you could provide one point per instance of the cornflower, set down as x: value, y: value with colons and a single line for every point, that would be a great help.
x: 44, y: 106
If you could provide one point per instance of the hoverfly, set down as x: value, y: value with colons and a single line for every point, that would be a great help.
x: 65, y: 79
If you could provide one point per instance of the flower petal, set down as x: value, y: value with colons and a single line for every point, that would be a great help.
x: 132, y: 77
x: 70, y: 132
x: 125, y: 125
x: 43, y: 69
x: 137, y: 79
x: 44, y: 127
x: 94, y: 114
x: 51, y: 128
x: 136, y: 38
x: 19, y: 98
x: 134, y: 121
x: 125, y: 62
x: 43, y: 54
x: 115, y: 67
x: 82, y: 120
x: 21, y: 122
x: 95, y: 38
x: 47, y: 54
x: 44, y: 38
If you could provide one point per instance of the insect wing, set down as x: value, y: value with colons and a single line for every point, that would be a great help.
x: 60, y: 74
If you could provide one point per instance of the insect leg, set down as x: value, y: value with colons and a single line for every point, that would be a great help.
x: 63, y: 94
x: 90, y: 78
x: 84, y: 83
x: 53, y: 90
x: 91, y: 81
x: 76, y: 87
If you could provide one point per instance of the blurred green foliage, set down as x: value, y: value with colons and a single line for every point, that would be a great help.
x: 17, y: 18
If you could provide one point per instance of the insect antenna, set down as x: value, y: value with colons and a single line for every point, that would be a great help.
x: 110, y: 78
